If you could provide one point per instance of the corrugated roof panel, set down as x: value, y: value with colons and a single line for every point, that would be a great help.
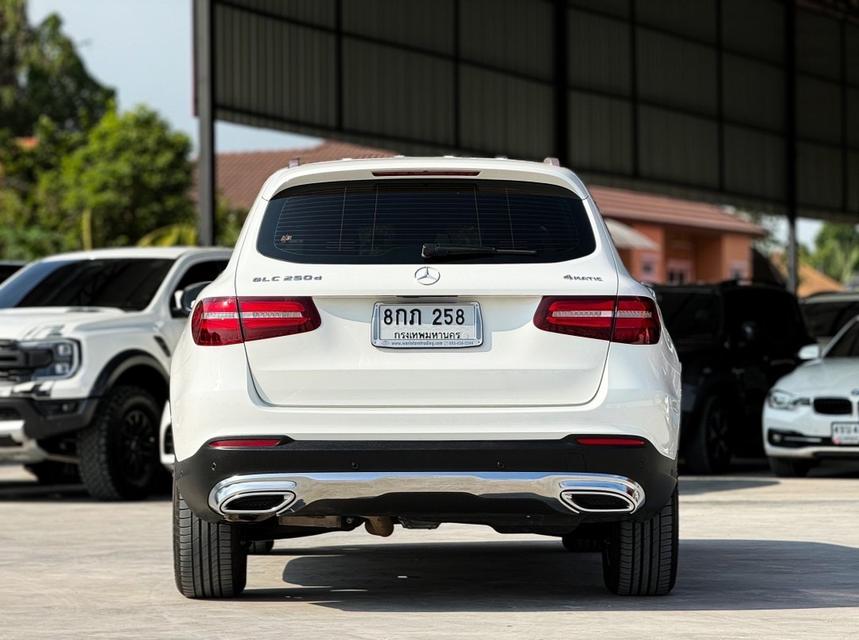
x: 600, y: 133
x: 320, y: 12
x: 397, y: 93
x: 678, y: 148
x: 754, y: 163
x: 505, y: 115
x: 819, y: 175
x: 509, y: 34
x: 418, y: 23
x: 753, y: 92
x: 675, y: 72
x: 598, y: 53
x: 694, y: 19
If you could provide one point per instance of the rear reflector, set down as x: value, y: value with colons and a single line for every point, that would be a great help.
x: 244, y: 443
x: 223, y: 321
x: 608, y: 441
x: 631, y: 320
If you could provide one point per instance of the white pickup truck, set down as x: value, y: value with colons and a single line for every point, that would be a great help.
x: 85, y: 345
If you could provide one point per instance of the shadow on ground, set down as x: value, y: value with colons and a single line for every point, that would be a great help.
x: 541, y: 576
x: 700, y: 485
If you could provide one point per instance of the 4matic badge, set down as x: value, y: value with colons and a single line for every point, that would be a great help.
x: 583, y: 278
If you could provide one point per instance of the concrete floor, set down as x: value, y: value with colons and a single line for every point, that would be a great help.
x: 760, y: 558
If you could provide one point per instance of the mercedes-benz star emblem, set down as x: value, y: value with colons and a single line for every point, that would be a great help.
x: 427, y: 275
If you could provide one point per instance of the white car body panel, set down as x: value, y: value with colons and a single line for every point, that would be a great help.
x: 102, y: 333
x: 332, y: 384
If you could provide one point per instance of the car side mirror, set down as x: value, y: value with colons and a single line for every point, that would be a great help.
x: 184, y: 299
x: 809, y: 352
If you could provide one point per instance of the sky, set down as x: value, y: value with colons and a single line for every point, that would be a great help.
x: 143, y: 49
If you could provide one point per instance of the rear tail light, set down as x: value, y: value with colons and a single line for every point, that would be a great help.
x: 631, y: 320
x: 223, y: 321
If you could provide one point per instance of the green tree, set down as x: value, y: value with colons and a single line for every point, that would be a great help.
x: 130, y: 175
x: 836, y: 250
x: 228, y: 224
x: 41, y: 74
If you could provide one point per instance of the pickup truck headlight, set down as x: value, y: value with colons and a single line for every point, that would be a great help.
x: 52, y: 359
x: 778, y: 399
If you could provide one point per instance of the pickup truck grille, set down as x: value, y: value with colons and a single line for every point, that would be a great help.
x: 17, y: 364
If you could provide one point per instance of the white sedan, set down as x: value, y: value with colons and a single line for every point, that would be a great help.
x: 811, y: 414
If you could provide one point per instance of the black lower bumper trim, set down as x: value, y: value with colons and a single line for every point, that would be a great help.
x: 49, y: 417
x: 657, y: 474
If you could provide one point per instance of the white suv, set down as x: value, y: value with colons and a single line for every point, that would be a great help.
x: 85, y: 345
x: 415, y: 341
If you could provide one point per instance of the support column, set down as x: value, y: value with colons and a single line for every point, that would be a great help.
x: 204, y: 93
x: 790, y: 173
x: 562, y: 115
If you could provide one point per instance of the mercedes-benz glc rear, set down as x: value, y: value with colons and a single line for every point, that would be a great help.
x: 415, y: 341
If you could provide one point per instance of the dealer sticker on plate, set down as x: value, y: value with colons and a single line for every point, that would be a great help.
x: 845, y: 433
x: 427, y: 326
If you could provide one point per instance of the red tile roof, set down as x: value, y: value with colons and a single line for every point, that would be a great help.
x: 645, y: 207
x: 240, y: 176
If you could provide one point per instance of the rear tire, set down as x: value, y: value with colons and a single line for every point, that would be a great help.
x: 118, y: 452
x: 709, y: 449
x: 209, y: 560
x: 640, y: 558
x: 790, y: 468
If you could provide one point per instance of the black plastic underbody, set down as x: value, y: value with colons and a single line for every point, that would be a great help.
x: 656, y: 473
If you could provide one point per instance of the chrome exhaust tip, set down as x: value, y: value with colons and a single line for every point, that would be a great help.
x: 257, y: 503
x: 610, y: 494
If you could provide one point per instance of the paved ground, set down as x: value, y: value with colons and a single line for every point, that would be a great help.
x: 760, y: 559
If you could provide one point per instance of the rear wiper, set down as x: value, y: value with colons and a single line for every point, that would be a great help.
x: 437, y: 250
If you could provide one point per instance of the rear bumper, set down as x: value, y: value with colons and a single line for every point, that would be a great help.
x: 426, y: 479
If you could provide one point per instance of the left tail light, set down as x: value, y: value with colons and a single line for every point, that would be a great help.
x: 230, y: 320
x: 626, y: 319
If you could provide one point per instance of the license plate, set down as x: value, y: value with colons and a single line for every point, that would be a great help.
x: 845, y: 433
x: 427, y: 326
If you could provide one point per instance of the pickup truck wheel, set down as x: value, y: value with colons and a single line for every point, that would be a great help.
x: 709, y: 448
x: 51, y: 472
x: 209, y: 560
x: 119, y: 450
x: 640, y: 558
x: 788, y: 468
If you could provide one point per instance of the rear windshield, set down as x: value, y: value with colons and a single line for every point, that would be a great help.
x: 127, y: 284
x: 388, y: 221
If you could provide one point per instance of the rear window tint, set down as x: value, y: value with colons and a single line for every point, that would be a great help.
x: 388, y: 221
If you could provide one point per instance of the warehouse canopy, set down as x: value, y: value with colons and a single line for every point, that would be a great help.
x: 710, y: 97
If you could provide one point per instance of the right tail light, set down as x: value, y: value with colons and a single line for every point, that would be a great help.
x: 230, y: 320
x: 626, y: 319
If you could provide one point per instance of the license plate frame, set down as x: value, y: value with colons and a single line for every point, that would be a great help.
x: 378, y: 340
x: 852, y: 434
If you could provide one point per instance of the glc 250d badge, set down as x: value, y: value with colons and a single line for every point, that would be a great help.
x: 427, y: 275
